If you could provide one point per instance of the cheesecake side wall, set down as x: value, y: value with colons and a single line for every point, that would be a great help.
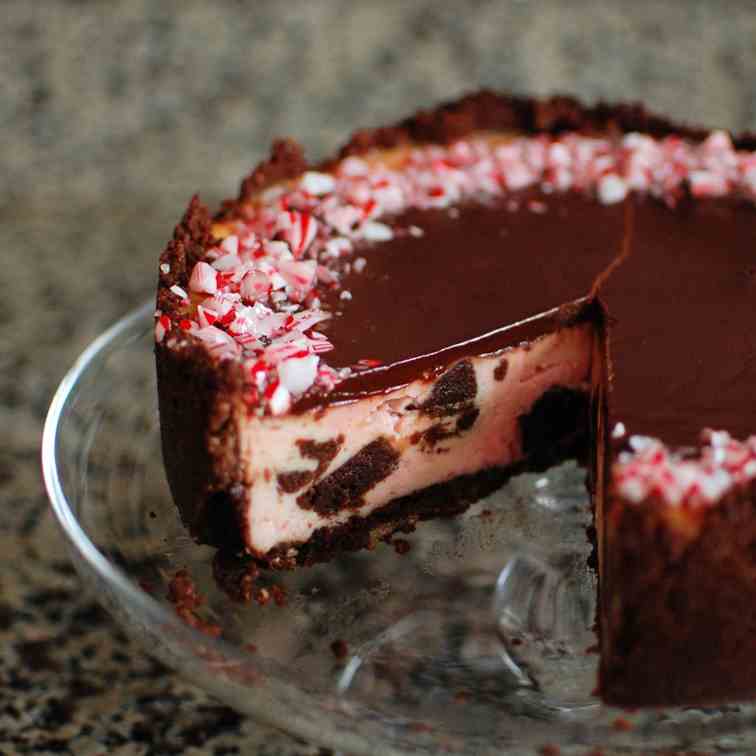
x: 198, y: 427
x: 679, y: 601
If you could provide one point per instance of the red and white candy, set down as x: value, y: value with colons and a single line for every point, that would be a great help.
x: 651, y: 469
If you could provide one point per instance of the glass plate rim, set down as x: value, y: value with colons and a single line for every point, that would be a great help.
x: 74, y: 532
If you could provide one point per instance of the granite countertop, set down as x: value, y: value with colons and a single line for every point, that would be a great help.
x: 113, y: 114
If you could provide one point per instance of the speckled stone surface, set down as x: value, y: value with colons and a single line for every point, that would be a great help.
x: 112, y: 115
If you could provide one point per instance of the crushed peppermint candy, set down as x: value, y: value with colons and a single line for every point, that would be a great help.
x: 359, y: 264
x: 649, y: 468
x: 179, y: 292
x: 256, y: 295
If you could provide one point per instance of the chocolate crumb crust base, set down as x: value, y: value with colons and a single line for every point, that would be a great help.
x: 196, y: 402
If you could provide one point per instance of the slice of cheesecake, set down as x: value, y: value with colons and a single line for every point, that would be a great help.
x: 486, y: 288
x: 350, y: 350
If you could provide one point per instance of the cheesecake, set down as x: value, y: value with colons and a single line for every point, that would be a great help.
x: 490, y: 287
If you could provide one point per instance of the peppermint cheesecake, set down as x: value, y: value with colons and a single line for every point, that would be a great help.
x: 489, y: 287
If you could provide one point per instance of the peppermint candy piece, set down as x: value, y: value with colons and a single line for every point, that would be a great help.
x: 204, y: 279
x: 298, y: 374
x: 317, y: 184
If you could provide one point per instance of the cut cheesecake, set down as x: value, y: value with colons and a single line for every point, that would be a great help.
x: 486, y: 288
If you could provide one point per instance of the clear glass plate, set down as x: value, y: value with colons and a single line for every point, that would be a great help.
x: 476, y: 641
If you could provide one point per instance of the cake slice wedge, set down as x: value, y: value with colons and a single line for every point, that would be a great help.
x: 325, y: 381
x: 389, y: 386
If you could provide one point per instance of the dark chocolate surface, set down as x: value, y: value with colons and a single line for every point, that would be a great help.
x: 423, y: 302
x: 684, y: 344
x: 683, y: 305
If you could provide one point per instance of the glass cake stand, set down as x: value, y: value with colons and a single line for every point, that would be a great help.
x: 478, y: 640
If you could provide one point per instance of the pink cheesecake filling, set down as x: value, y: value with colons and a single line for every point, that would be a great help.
x: 419, y: 448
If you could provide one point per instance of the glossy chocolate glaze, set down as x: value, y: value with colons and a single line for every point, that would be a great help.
x: 683, y: 346
x: 683, y: 305
x: 423, y: 302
